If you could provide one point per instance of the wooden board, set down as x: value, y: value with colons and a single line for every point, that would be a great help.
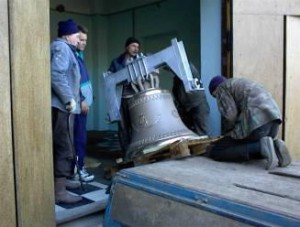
x: 7, y: 207
x: 177, y: 150
x: 243, y: 183
x: 292, y: 86
x: 290, y: 171
x: 30, y: 78
x: 267, y: 7
x: 258, y: 51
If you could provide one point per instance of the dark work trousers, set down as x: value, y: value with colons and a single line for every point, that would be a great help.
x: 124, y: 126
x: 229, y: 149
x: 63, y: 149
x: 193, y: 109
x: 199, y: 115
x: 80, y: 138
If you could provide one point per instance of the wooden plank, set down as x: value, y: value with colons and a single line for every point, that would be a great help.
x: 290, y: 171
x: 135, y: 208
x: 7, y: 207
x: 267, y: 7
x: 258, y: 51
x: 292, y: 86
x: 30, y: 70
x: 225, y: 179
x: 177, y: 150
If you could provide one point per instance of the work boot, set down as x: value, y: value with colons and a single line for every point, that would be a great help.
x: 268, y: 152
x: 61, y: 195
x: 71, y: 184
x: 284, y: 158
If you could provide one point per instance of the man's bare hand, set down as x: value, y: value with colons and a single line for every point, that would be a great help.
x: 84, y: 107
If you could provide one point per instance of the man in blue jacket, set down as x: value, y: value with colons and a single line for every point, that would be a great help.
x: 65, y: 102
x: 86, y: 95
x: 132, y: 47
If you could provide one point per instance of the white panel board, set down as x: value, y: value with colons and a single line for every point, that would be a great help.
x: 292, y: 86
x: 275, y: 7
x: 258, y: 51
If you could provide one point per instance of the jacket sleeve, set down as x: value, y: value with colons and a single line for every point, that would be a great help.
x: 60, y: 64
x: 112, y: 67
x: 228, y: 111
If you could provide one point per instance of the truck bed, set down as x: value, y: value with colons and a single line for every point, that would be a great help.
x: 204, y: 191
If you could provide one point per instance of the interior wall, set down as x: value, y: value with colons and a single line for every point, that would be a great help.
x: 152, y: 24
x: 76, y: 6
x: 107, y: 35
x: 211, y: 55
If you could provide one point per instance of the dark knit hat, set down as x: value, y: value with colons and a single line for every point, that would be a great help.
x: 215, y: 82
x: 67, y: 27
x: 131, y: 40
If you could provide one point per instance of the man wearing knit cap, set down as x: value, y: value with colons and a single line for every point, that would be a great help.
x: 65, y: 101
x: 250, y: 123
x: 132, y: 47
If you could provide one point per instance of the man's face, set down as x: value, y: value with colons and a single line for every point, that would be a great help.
x: 133, y: 49
x: 82, y: 41
x: 214, y: 94
x: 73, y: 39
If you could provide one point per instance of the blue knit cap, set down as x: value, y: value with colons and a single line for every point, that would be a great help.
x: 67, y: 27
x: 215, y: 82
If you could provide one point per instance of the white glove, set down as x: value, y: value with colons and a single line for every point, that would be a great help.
x: 71, y: 106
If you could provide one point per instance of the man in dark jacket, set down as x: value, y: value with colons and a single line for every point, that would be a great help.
x: 192, y: 106
x: 251, y: 119
x: 132, y: 47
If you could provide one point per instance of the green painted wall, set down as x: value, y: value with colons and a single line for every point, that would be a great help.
x: 211, y: 55
x: 154, y: 25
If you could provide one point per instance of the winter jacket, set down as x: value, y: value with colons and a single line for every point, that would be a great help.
x: 86, y: 88
x: 65, y: 75
x: 116, y: 65
x: 245, y: 106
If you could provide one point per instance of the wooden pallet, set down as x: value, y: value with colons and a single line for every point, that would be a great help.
x: 176, y: 150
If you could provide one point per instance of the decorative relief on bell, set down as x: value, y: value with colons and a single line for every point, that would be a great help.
x: 144, y: 121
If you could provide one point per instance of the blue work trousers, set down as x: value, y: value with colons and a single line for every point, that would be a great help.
x: 80, y: 138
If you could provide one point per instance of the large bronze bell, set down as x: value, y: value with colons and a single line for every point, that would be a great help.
x: 155, y: 122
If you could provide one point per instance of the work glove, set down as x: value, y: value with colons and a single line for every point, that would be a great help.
x: 71, y: 106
